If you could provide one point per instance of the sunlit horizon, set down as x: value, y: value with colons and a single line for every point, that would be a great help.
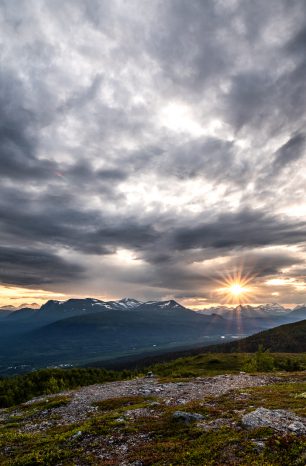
x: 18, y: 296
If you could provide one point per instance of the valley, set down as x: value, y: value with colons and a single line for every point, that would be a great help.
x: 80, y: 332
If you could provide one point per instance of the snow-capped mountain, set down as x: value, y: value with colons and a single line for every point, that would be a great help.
x: 56, y: 310
x: 273, y: 308
x: 90, y: 305
x: 267, y: 315
x: 168, y: 305
x: 263, y: 310
x: 124, y: 304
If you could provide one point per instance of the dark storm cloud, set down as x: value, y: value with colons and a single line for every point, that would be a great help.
x: 297, y: 44
x: 35, y: 267
x: 249, y: 100
x: 55, y: 220
x: 244, y: 229
x: 91, y: 159
x: 18, y: 123
x: 183, y: 45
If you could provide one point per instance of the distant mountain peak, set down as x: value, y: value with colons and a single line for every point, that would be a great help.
x: 9, y: 307
x: 130, y: 302
x: 169, y: 304
x: 299, y: 306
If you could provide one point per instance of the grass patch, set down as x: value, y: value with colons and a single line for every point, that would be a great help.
x: 123, y: 403
x: 210, y: 364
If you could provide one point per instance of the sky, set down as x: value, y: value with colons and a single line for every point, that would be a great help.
x: 152, y: 149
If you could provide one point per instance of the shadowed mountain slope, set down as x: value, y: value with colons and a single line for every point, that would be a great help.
x: 289, y: 338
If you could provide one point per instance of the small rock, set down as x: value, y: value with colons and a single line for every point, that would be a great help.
x: 259, y: 445
x: 77, y: 434
x: 150, y: 375
x: 187, y: 417
x: 154, y: 403
x: 297, y: 427
x: 181, y: 401
x: 120, y: 419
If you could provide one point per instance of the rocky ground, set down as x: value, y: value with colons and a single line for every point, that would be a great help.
x: 82, y: 401
x: 226, y: 419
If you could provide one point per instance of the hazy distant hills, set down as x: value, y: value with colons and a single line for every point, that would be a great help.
x: 261, y: 311
x: 9, y: 307
x: 266, y: 315
x: 79, y: 331
x: 298, y: 313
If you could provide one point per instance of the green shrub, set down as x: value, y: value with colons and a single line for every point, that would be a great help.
x: 261, y: 361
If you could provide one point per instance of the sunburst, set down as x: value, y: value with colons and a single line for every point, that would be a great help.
x: 236, y: 287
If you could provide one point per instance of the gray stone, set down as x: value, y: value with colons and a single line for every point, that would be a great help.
x: 120, y: 419
x: 277, y: 419
x: 187, y: 417
x: 259, y: 445
x: 297, y: 427
x: 154, y: 403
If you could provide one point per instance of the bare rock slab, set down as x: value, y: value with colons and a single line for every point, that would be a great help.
x: 277, y: 419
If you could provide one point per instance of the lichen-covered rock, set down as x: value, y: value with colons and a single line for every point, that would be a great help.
x: 187, y: 417
x: 277, y: 419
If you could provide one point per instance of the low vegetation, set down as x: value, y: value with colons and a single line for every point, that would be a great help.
x: 18, y: 389
x: 142, y: 429
x: 112, y: 435
x: 214, y: 364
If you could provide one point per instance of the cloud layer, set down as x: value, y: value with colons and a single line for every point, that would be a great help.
x: 149, y: 147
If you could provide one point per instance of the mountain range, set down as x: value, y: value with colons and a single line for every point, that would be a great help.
x: 81, y: 331
x: 55, y: 310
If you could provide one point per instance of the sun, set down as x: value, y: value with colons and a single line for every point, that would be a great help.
x: 237, y: 291
x: 236, y: 288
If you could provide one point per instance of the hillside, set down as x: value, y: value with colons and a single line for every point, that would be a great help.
x: 225, y: 419
x: 289, y: 338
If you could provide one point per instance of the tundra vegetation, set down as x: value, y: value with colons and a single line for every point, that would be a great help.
x: 143, y: 429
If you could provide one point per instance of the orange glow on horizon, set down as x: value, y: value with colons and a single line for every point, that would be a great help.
x: 11, y: 295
